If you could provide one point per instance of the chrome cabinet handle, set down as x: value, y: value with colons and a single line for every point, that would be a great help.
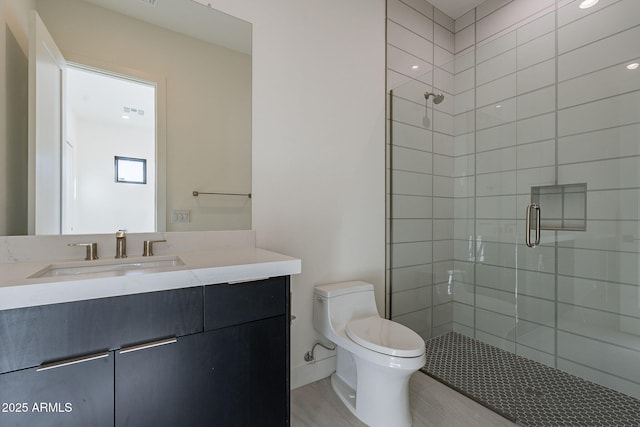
x: 75, y: 360
x: 527, y: 237
x: 147, y: 345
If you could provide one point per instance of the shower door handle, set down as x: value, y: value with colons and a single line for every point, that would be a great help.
x: 527, y: 237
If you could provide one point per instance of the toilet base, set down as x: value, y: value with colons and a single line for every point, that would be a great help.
x: 378, y: 405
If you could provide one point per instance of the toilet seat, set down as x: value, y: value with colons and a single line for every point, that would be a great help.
x: 384, y: 336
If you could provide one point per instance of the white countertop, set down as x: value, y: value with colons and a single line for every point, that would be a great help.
x: 203, y: 267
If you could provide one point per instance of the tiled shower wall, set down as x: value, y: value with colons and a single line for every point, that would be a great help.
x: 420, y: 50
x: 542, y: 96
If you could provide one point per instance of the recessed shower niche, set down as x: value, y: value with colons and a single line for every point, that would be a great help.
x: 562, y: 206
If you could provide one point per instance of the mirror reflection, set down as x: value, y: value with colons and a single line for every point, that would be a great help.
x: 202, y: 108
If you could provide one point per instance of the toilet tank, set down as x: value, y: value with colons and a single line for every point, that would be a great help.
x: 337, y: 303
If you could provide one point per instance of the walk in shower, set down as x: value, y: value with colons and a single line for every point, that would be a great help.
x: 540, y: 118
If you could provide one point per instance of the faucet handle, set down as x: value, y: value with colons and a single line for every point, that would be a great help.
x: 147, y: 247
x: 92, y: 250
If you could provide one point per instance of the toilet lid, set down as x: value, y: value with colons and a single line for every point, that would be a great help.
x: 384, y: 336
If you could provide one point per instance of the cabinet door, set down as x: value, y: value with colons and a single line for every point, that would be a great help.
x: 199, y: 380
x: 69, y: 393
x: 29, y: 336
x: 268, y: 392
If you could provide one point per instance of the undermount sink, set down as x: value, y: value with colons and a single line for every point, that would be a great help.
x: 120, y: 267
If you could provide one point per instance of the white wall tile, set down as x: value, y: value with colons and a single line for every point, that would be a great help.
x: 496, y: 137
x: 444, y: 38
x: 494, y: 184
x: 495, y: 47
x: 465, y: 20
x: 417, y: 321
x: 412, y: 207
x: 443, y: 81
x: 464, y: 102
x: 489, y: 6
x: 496, y: 160
x: 410, y: 42
x: 442, y: 122
x: 610, y: 381
x: 442, y: 250
x: 411, y: 230
x: 464, y: 144
x: 571, y: 11
x: 616, y: 49
x: 534, y: 354
x: 464, y: 81
x: 536, y: 51
x: 621, y: 141
x: 442, y: 229
x: 411, y: 160
x: 605, y: 357
x: 464, y: 166
x: 412, y: 137
x: 537, y: 76
x: 607, y: 113
x: 528, y: 178
x: 496, y: 91
x: 442, y: 165
x: 421, y: 6
x: 512, y: 13
x: 536, y: 128
x: 496, y: 207
x: 537, y: 102
x: 595, y: 26
x: 443, y: 144
x: 614, y: 204
x: 410, y: 301
x: 537, y: 154
x: 411, y: 183
x: 536, y: 336
x: 464, y: 123
x: 408, y: 254
x: 604, y: 83
x: 494, y: 115
x: 443, y: 19
x: 603, y: 174
x: 443, y: 293
x: 464, y: 60
x: 498, y: 66
x: 402, y: 62
x: 618, y: 267
x: 463, y: 314
x: 443, y: 206
x: 411, y: 277
x: 443, y: 59
x: 536, y: 28
x: 408, y: 18
x: 464, y: 39
x: 442, y: 186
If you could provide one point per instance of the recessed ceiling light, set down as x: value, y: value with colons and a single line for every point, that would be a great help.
x: 586, y: 4
x: 633, y: 66
x: 125, y: 117
x: 498, y: 106
x: 414, y: 67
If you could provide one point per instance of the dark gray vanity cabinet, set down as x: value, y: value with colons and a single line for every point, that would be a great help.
x: 76, y: 395
x: 235, y: 373
x: 201, y: 356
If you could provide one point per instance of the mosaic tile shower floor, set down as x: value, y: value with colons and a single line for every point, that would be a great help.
x: 527, y: 392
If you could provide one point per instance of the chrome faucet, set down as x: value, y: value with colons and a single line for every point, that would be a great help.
x: 121, y: 244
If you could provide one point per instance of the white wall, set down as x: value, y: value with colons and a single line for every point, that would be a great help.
x: 318, y: 147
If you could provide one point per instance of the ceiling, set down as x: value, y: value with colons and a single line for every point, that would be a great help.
x: 455, y: 8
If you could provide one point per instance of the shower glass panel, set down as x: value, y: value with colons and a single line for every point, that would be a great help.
x: 550, y: 99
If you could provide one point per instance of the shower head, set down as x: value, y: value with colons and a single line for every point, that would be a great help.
x: 437, y: 98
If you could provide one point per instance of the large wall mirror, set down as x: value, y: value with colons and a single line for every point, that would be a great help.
x: 166, y: 82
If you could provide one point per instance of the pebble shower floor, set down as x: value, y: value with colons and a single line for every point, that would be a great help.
x: 527, y: 392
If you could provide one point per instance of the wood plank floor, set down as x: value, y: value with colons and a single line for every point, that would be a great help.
x: 432, y: 404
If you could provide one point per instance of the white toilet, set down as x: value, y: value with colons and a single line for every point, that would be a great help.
x: 375, y: 356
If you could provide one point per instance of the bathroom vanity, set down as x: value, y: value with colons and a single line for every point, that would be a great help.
x: 204, y: 343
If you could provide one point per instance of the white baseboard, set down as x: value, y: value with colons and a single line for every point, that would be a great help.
x: 312, y: 371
